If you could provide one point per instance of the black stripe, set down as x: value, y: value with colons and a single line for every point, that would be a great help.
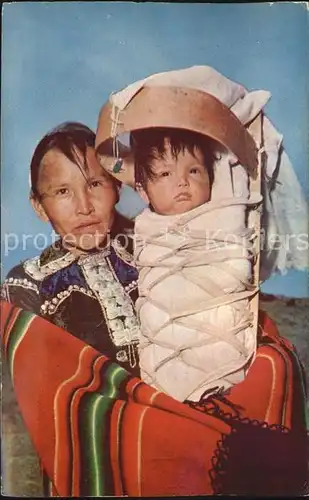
x: 108, y: 471
x: 84, y: 484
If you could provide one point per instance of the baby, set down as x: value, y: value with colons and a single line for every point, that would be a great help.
x: 193, y: 275
x: 173, y: 169
x: 197, y: 246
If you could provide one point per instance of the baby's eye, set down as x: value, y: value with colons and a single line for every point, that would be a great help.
x: 195, y: 170
x: 164, y: 174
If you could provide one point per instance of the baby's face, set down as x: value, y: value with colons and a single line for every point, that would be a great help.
x: 179, y: 184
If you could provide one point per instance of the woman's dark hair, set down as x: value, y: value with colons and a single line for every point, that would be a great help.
x: 150, y: 144
x: 68, y: 138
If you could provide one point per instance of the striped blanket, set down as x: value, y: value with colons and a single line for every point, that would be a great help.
x: 100, y: 431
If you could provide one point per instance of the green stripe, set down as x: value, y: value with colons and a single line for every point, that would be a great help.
x: 95, y: 420
x: 17, y: 333
x: 114, y: 375
x: 97, y: 443
x: 94, y: 445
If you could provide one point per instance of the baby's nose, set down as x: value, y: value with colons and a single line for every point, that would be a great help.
x: 182, y: 180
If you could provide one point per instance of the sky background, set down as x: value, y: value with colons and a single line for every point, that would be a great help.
x: 62, y: 60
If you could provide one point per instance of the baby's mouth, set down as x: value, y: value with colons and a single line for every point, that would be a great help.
x: 182, y: 197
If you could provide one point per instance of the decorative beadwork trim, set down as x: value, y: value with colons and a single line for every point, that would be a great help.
x: 23, y: 282
x: 115, y: 304
x: 131, y: 286
x: 33, y: 268
x: 94, y: 259
x: 4, y: 289
x: 51, y: 306
x: 122, y: 253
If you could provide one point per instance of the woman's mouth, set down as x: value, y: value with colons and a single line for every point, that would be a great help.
x: 87, y: 226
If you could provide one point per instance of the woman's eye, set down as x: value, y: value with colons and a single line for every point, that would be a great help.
x: 62, y: 192
x: 95, y: 184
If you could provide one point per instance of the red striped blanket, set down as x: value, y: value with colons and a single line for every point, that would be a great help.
x: 99, y: 431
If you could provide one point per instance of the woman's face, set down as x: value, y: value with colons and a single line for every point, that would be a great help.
x: 78, y: 202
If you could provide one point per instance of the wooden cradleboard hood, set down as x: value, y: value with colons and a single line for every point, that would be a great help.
x: 172, y: 107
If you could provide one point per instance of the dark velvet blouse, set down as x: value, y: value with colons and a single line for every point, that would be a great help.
x: 91, y: 296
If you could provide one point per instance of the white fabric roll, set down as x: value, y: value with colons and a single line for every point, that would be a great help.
x: 219, y: 270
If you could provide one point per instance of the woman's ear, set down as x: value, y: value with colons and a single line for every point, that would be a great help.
x: 141, y: 191
x: 38, y: 208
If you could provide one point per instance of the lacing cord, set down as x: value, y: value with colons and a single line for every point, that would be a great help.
x: 216, y: 249
x: 115, y: 122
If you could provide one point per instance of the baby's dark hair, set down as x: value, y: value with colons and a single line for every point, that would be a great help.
x: 150, y: 144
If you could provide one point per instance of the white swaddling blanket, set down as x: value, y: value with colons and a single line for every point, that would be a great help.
x: 195, y: 319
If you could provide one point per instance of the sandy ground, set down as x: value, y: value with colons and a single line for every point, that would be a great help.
x: 292, y: 319
x: 20, y: 468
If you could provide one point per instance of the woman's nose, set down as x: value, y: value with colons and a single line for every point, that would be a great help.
x: 84, y: 203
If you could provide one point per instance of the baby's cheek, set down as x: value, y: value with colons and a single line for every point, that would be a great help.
x: 202, y: 193
x: 164, y: 204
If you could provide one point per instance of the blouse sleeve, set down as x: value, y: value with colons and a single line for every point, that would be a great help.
x: 21, y: 290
